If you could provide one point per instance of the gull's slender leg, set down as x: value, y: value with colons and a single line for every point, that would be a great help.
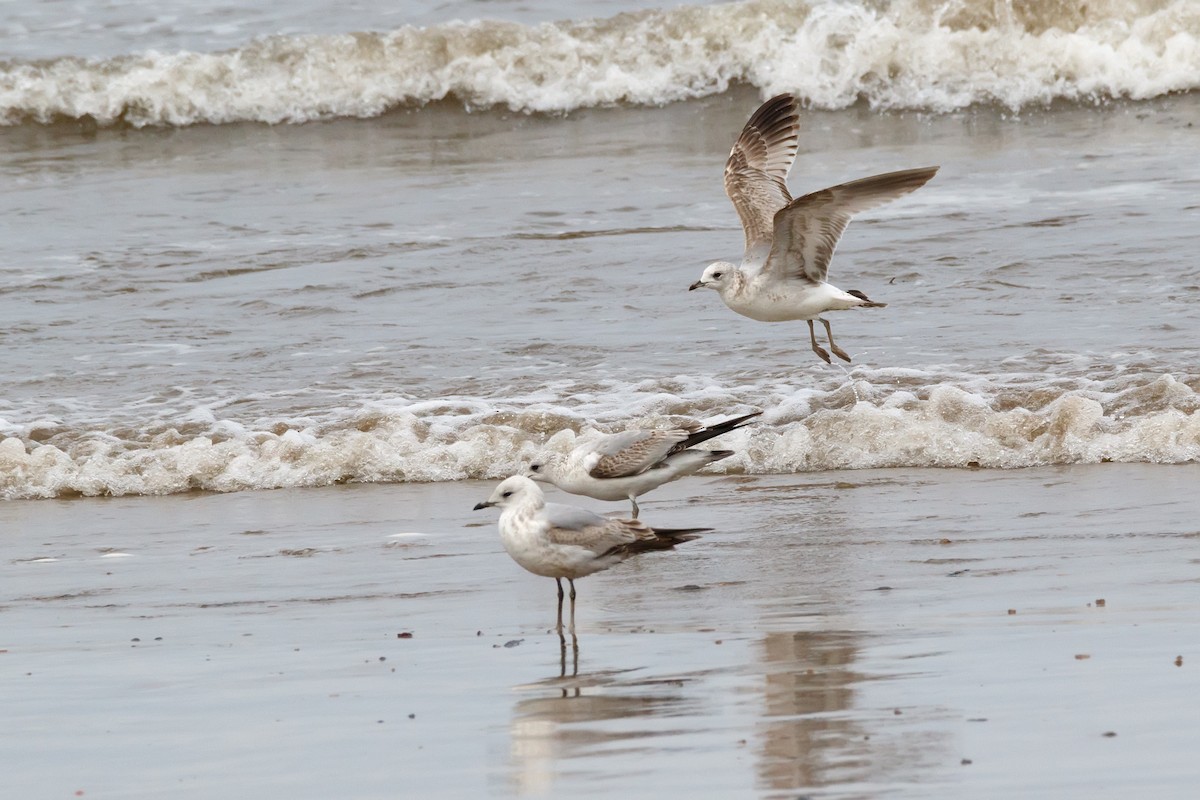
x: 820, y: 351
x: 837, y: 351
x: 560, y: 599
x: 635, y: 506
x: 572, y: 582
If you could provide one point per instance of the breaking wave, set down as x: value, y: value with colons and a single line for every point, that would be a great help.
x: 887, y: 418
x: 935, y: 55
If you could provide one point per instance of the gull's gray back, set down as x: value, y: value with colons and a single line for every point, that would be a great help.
x: 582, y: 528
x: 571, y: 518
x: 614, y: 443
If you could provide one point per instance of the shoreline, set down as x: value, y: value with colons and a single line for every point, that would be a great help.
x: 839, y: 634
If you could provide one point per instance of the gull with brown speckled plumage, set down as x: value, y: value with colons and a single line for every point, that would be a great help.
x: 626, y: 465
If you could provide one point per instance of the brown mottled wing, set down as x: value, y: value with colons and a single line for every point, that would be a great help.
x: 757, y: 168
x: 631, y: 452
x: 807, y: 231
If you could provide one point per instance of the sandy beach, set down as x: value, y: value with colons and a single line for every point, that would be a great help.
x: 880, y: 633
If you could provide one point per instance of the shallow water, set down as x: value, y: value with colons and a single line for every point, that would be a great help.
x: 853, y: 635
x: 431, y: 294
x: 439, y: 290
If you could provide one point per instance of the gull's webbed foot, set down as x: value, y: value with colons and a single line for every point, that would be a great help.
x: 812, y: 337
x: 837, y: 351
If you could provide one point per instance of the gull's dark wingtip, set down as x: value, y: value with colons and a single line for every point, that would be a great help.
x: 669, y: 537
x: 712, y: 431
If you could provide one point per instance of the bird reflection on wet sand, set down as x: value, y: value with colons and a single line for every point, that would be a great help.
x: 562, y: 670
x: 565, y: 719
x: 815, y: 731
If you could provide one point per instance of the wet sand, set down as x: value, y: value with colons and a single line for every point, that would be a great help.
x: 868, y: 634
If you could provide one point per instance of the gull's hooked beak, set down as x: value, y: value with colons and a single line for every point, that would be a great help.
x: 484, y: 504
x: 696, y: 285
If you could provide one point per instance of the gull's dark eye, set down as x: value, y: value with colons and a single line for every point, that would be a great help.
x: 534, y: 467
x: 718, y: 275
x: 507, y: 494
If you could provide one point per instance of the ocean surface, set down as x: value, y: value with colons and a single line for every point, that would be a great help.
x: 273, y: 246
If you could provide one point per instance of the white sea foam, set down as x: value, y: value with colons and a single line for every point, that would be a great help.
x: 919, y: 54
x: 895, y: 422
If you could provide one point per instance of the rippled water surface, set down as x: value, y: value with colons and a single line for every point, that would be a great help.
x: 387, y: 288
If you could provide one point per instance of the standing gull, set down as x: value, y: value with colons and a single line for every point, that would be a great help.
x: 626, y: 465
x: 560, y: 541
x: 789, y: 243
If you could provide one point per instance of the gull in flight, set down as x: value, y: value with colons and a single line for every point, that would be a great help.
x: 626, y: 465
x: 789, y: 243
x: 560, y: 541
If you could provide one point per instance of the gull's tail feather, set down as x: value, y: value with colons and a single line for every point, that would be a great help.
x: 867, y: 302
x: 712, y: 431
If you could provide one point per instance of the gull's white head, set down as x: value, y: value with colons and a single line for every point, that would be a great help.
x: 513, y: 491
x: 544, y: 467
x: 719, y: 275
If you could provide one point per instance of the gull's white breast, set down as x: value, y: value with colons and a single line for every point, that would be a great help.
x: 523, y: 535
x: 782, y: 302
